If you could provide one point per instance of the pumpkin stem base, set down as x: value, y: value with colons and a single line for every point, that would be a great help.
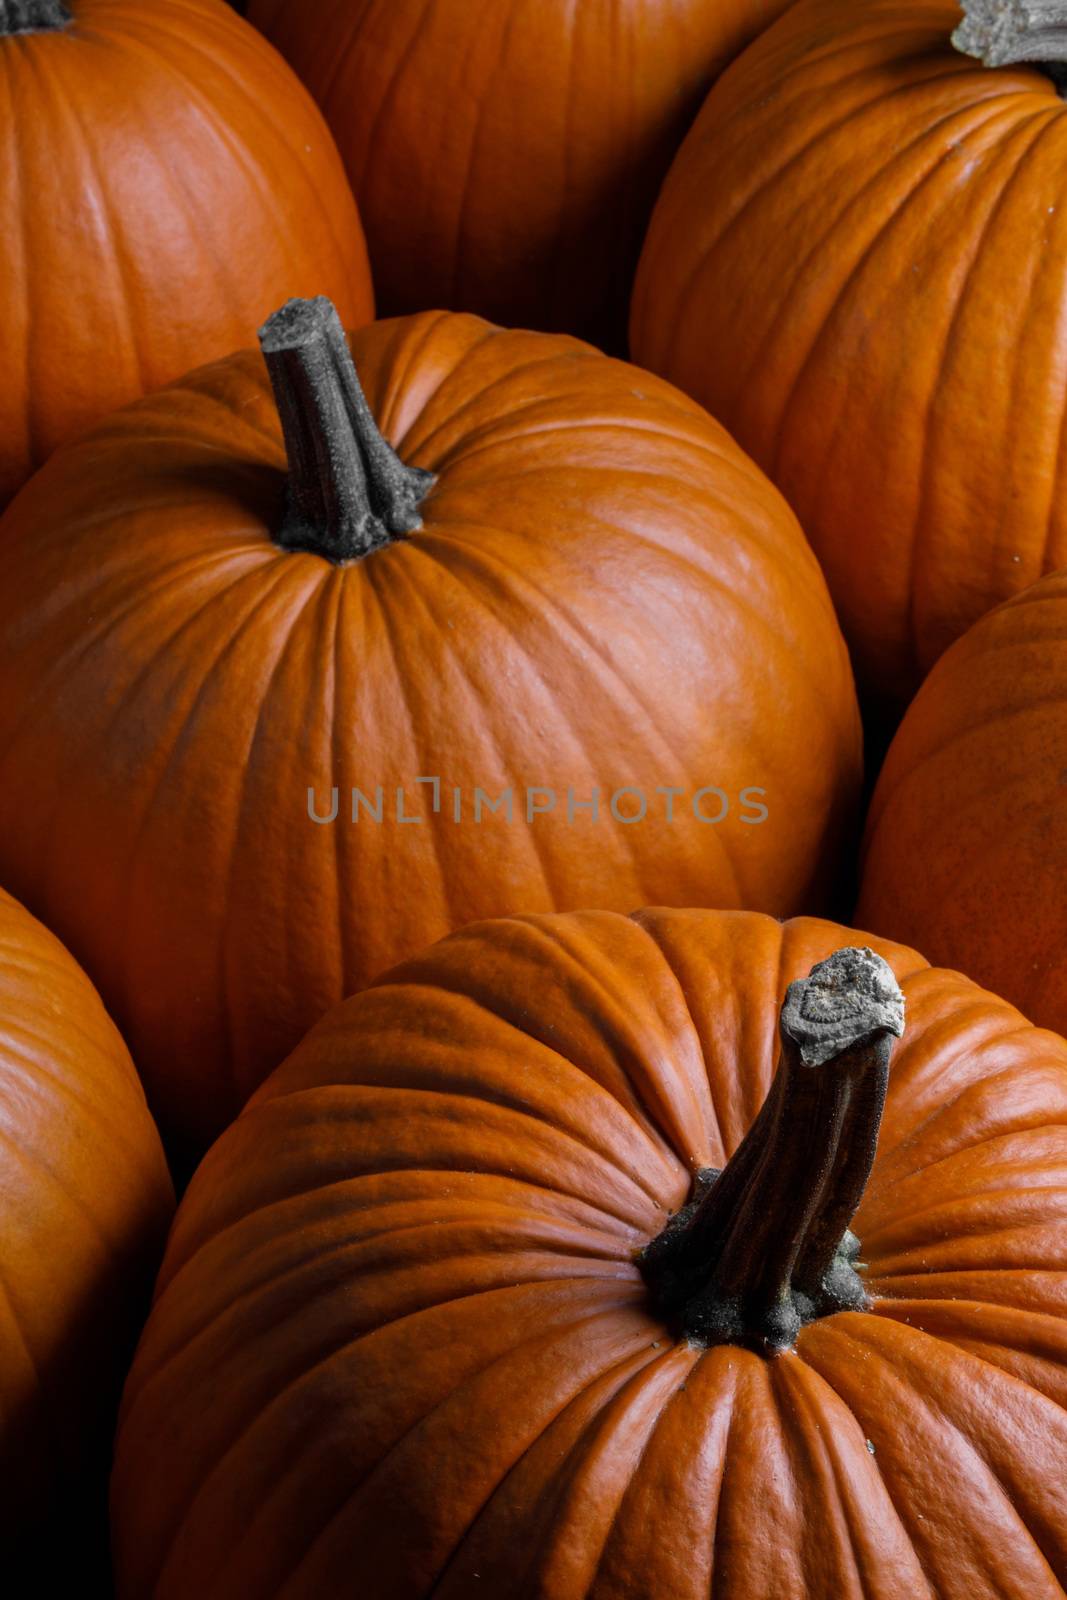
x: 33, y: 16
x: 764, y: 1246
x: 1007, y: 33
x: 348, y: 491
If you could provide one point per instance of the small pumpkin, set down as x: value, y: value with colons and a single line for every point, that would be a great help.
x: 858, y: 262
x: 164, y: 182
x: 540, y: 664
x: 966, y: 843
x: 85, y: 1202
x: 525, y: 1275
x: 506, y: 156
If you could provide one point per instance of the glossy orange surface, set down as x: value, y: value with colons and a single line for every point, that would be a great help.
x: 859, y: 264
x: 400, y: 1332
x: 86, y: 1203
x: 506, y: 155
x: 605, y: 593
x: 966, y: 843
x: 165, y: 183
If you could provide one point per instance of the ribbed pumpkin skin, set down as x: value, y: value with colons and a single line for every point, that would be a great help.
x: 165, y: 183
x: 966, y: 842
x: 85, y: 1202
x: 506, y: 156
x: 605, y: 592
x: 859, y: 264
x: 399, y: 1330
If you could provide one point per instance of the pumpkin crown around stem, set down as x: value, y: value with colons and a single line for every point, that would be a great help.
x: 1004, y: 33
x: 33, y: 16
x: 348, y: 491
x: 763, y: 1246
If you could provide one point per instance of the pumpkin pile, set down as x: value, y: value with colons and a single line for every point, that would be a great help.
x: 475, y: 1119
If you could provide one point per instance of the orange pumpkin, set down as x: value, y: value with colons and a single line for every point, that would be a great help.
x: 412, y: 1324
x: 506, y: 156
x: 598, y: 607
x: 966, y: 844
x: 858, y: 262
x: 85, y: 1202
x: 164, y: 182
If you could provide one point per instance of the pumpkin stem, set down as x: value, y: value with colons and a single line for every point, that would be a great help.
x: 763, y: 1246
x: 348, y: 492
x: 32, y: 16
x: 1004, y: 33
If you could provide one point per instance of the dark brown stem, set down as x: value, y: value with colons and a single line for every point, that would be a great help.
x: 33, y: 16
x: 348, y: 491
x: 1009, y: 33
x: 763, y: 1246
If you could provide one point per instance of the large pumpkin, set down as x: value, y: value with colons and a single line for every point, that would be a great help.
x: 859, y: 264
x: 164, y: 182
x: 966, y: 844
x: 580, y: 595
x: 85, y: 1201
x: 410, y: 1325
x: 506, y: 155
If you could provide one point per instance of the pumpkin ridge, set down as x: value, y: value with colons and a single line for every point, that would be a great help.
x: 250, y: 1290
x: 902, y: 200
x: 34, y: 1064
x: 866, y: 1337
x: 86, y: 641
x: 873, y: 244
x: 32, y: 1161
x: 127, y: 40
x: 359, y: 183
x: 708, y: 1113
x: 452, y: 297
x: 479, y: 556
x: 1020, y: 1236
x: 259, y: 1289
x: 600, y: 1439
x: 361, y: 1251
x: 705, y: 1113
x: 146, y: 39
x: 389, y: 404
x: 478, y: 395
x: 810, y: 1452
x: 974, y: 1144
x: 207, y: 672
x: 54, y: 85
x: 656, y: 1123
x: 661, y: 1143
x: 808, y: 1372
x: 457, y: 556
x: 558, y: 1331
x: 452, y: 1400
x: 919, y: 517
x: 23, y: 231
x: 682, y: 323
x: 332, y: 696
x: 923, y: 519
x: 937, y: 753
x: 943, y: 1108
x: 135, y: 836
x: 578, y: 1422
x: 388, y: 602
x: 527, y: 1121
x: 1003, y: 1195
x: 125, y: 331
x: 237, y: 1048
x: 477, y: 551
